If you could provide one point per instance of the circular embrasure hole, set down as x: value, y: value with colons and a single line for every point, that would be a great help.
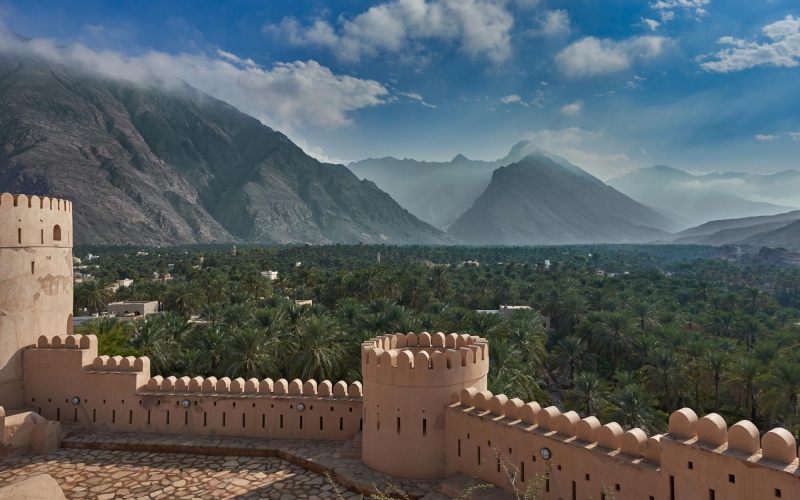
x: 301, y: 407
x: 76, y: 400
x: 186, y: 403
x: 545, y: 453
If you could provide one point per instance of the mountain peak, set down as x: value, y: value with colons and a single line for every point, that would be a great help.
x: 459, y: 158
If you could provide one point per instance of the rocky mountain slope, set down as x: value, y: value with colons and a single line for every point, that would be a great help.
x: 536, y: 201
x: 439, y: 192
x: 703, y: 198
x: 152, y: 166
x: 781, y: 230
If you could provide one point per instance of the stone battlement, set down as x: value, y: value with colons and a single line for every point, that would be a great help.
x: 65, y: 380
x: 696, y: 457
x: 31, y: 221
x: 424, y: 361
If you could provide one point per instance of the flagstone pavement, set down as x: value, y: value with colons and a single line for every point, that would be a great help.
x: 106, y: 475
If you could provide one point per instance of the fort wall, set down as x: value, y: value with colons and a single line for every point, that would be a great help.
x: 493, y: 437
x: 66, y: 381
x: 35, y: 281
x: 408, y: 382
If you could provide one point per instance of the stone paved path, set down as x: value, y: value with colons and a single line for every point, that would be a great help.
x: 105, y: 475
x: 337, y: 458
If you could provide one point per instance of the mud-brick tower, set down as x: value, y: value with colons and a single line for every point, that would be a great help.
x: 409, y: 380
x: 35, y: 281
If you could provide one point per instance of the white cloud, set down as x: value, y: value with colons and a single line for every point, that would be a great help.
x: 286, y: 96
x: 417, y: 97
x: 236, y: 59
x: 794, y: 135
x: 552, y: 23
x: 572, y: 109
x: 592, y: 56
x: 481, y: 28
x: 574, y: 143
x: 650, y: 23
x: 539, y: 99
x: 636, y: 84
x: 782, y: 50
x: 513, y: 99
x: 666, y: 7
x: 761, y: 137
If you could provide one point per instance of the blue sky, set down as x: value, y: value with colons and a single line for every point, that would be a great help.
x: 702, y: 85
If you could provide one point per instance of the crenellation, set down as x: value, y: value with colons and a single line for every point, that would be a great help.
x: 712, y: 430
x: 609, y: 435
x: 564, y: 423
x: 743, y: 436
x: 633, y: 442
x: 182, y: 384
x: 779, y: 445
x: 587, y: 429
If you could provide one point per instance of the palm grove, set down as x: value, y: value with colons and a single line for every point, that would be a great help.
x: 637, y: 332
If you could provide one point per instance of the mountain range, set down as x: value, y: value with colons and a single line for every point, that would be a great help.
x: 775, y: 231
x: 703, y: 198
x: 537, y: 201
x: 440, y: 192
x: 154, y: 166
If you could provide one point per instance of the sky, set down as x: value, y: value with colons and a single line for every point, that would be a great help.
x: 700, y: 85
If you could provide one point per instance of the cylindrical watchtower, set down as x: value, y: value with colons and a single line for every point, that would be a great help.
x: 408, y: 383
x: 35, y: 281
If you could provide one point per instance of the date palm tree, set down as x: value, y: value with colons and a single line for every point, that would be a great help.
x: 318, y: 351
x: 93, y: 295
x: 249, y: 354
x: 634, y: 407
x: 665, y: 374
x: 716, y: 362
x: 184, y: 298
x: 615, y: 336
x: 572, y: 313
x: 781, y: 397
x: 590, y: 394
x: 572, y: 354
x: 645, y: 314
x: 743, y: 378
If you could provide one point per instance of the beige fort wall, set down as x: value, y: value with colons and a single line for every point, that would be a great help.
x: 697, y: 459
x: 35, y: 281
x: 408, y: 382
x: 118, y: 394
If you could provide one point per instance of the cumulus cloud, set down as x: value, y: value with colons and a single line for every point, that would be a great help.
x: 761, y: 137
x: 481, y: 28
x: 285, y: 96
x: 783, y: 49
x: 575, y: 145
x: 592, y: 56
x: 513, y: 99
x: 650, y: 23
x: 552, y: 23
x: 572, y: 109
x: 667, y: 7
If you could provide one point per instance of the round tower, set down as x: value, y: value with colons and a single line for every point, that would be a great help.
x: 408, y: 382
x: 35, y: 281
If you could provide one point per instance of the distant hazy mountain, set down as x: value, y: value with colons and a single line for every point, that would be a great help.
x: 775, y: 230
x: 703, y: 198
x: 439, y: 192
x: 150, y: 166
x: 536, y: 201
